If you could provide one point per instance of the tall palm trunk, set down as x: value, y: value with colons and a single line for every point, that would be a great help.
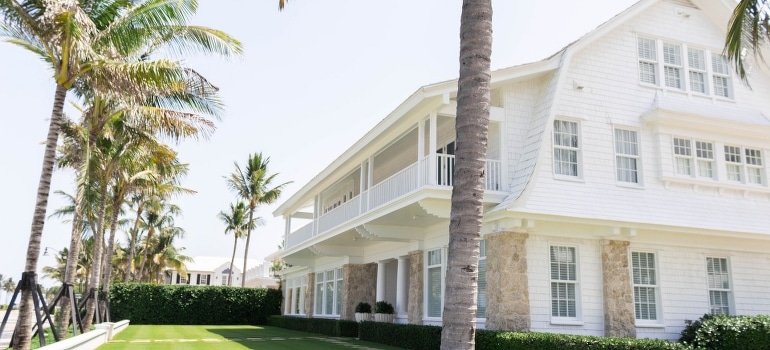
x: 23, y: 326
x: 146, y: 253
x: 70, y: 271
x: 459, y: 317
x: 232, y: 260
x: 116, y: 203
x: 246, y: 252
x: 96, y: 269
x: 132, y: 243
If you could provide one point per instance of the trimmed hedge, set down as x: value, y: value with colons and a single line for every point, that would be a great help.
x: 406, y: 336
x: 733, y: 332
x: 493, y: 340
x: 198, y: 305
x: 331, y: 327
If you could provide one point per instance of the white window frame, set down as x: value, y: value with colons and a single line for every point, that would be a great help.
x: 697, y: 157
x: 627, y: 155
x: 673, y: 63
x: 204, y: 279
x: 561, y: 148
x: 427, y: 292
x: 182, y: 278
x: 754, y: 165
x: 481, y: 298
x: 646, y: 278
x: 744, y: 165
x: 328, y: 305
x: 574, y: 282
x: 725, y: 292
x: 655, y: 54
x: 297, y: 286
x: 224, y: 279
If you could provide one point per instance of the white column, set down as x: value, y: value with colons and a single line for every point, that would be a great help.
x: 287, y: 230
x: 380, y: 280
x: 287, y: 298
x: 402, y: 278
x: 433, y: 136
x: 420, y: 152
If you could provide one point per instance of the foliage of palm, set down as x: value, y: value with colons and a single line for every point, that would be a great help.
x: 9, y: 286
x: 466, y: 215
x: 254, y: 185
x: 93, y: 49
x: 748, y: 30
x: 235, y: 222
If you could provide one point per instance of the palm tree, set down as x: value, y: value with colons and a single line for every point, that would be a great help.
x: 466, y: 215
x: 9, y: 286
x: 254, y: 185
x: 748, y: 30
x: 235, y: 222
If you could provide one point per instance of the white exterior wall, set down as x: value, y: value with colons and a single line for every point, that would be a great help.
x: 613, y: 97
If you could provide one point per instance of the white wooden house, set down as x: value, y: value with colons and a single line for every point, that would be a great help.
x: 626, y: 191
x: 215, y: 271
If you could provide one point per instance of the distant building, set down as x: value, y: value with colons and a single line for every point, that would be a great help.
x: 215, y: 271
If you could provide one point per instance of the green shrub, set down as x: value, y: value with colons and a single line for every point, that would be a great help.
x: 734, y: 332
x: 364, y: 308
x: 406, y: 336
x: 383, y: 307
x: 201, y: 305
x: 691, y: 328
x: 496, y: 340
x: 330, y: 327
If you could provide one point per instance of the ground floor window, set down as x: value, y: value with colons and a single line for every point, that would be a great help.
x: 644, y: 273
x: 564, y: 281
x: 481, y: 302
x: 296, y: 288
x: 328, y: 292
x: 435, y: 282
x: 719, y: 285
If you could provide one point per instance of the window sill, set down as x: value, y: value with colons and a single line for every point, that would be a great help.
x: 558, y: 322
x: 569, y: 178
x: 720, y: 186
x: 689, y: 93
x: 631, y: 185
x: 650, y: 325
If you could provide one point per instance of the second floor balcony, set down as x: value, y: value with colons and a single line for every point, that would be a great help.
x: 389, y: 185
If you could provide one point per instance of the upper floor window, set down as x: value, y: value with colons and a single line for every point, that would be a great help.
x: 719, y: 285
x: 748, y: 169
x: 663, y: 64
x: 566, y: 149
x: 697, y: 161
x: 627, y: 155
x: 564, y: 280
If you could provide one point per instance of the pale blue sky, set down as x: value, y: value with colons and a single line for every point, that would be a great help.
x: 313, y: 79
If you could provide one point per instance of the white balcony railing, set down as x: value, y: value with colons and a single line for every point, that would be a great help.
x: 402, y: 183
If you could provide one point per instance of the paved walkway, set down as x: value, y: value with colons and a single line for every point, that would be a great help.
x: 5, y: 338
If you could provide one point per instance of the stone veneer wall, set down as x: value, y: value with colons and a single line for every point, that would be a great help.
x: 414, y: 308
x: 507, y: 284
x: 619, y: 320
x: 310, y: 295
x: 359, y: 284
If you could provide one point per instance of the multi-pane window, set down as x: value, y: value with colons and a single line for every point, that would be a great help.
x: 733, y: 163
x: 753, y: 166
x: 719, y: 285
x: 689, y: 73
x: 645, y: 285
x: 296, y: 289
x: 564, y: 301
x: 328, y: 297
x: 721, y: 77
x: 565, y: 148
x: 627, y: 155
x: 648, y: 57
x: 225, y: 279
x: 182, y: 279
x: 204, y: 279
x: 481, y: 301
x: 435, y: 282
x: 672, y: 65
x: 702, y: 157
x: 696, y: 59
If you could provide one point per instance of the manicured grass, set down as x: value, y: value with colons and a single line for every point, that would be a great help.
x: 229, y: 337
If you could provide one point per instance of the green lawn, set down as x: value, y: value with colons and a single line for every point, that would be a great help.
x: 229, y: 337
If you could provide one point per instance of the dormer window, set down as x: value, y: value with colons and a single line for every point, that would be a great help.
x: 703, y: 71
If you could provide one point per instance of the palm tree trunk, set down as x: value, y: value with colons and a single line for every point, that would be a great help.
x: 246, y: 252
x: 459, y: 316
x: 132, y: 243
x: 232, y: 261
x: 111, y: 244
x: 24, y: 328
x: 96, y: 270
x: 146, y: 253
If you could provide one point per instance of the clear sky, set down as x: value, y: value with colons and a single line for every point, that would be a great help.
x: 312, y: 81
